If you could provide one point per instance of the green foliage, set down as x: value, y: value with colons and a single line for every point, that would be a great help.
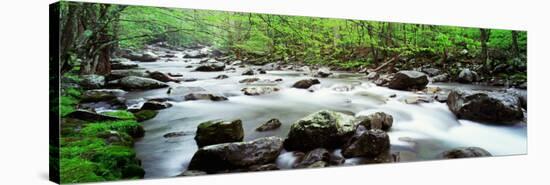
x: 127, y: 126
x: 67, y: 105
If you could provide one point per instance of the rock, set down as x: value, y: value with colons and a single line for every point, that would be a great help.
x: 175, y: 134
x: 134, y: 82
x: 259, y: 90
x: 143, y: 115
x: 248, y: 72
x: 195, y: 54
x: 112, y: 104
x: 221, y: 77
x: 383, y: 79
x: 203, y: 96
x: 118, y: 74
x: 522, y: 95
x: 191, y: 173
x: 431, y: 71
x: 216, y: 66
x: 318, y: 157
x: 96, y: 95
x: 485, y: 106
x: 144, y: 57
x: 236, y: 63
x: 377, y: 120
x: 155, y: 105
x: 323, y: 72
x: 261, y: 71
x: 464, y: 152
x: 440, y: 78
x: 249, y: 80
x: 132, y: 171
x: 87, y: 115
x: 442, y: 97
x: 372, y: 76
x: 306, y: 83
x: 264, y: 167
x: 92, y: 81
x: 219, y: 131
x: 237, y: 155
x: 272, y: 124
x: 369, y: 143
x: 175, y: 74
x: 304, y: 69
x: 467, y: 76
x: 188, y: 66
x: 122, y: 64
x: 271, y: 66
x: 322, y: 129
x: 160, y: 76
x: 405, y: 80
x: 523, y: 85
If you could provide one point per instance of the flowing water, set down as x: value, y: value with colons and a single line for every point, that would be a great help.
x: 419, y: 132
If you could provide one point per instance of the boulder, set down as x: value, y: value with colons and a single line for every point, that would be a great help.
x: 271, y: 66
x: 191, y: 173
x: 248, y: 72
x: 485, y: 106
x: 306, y: 83
x: 143, y: 57
x: 522, y: 95
x: 96, y: 95
x: 369, y: 143
x: 143, y: 115
x: 318, y: 157
x: 134, y: 82
x: 323, y: 72
x: 203, y: 96
x: 372, y: 75
x: 238, y: 155
x: 377, y: 120
x: 467, y: 76
x: 118, y: 74
x: 175, y: 134
x: 249, y: 80
x: 259, y: 90
x: 405, y: 80
x: 155, y: 105
x: 219, y: 131
x: 122, y: 63
x: 195, y: 54
x: 272, y: 124
x: 263, y: 167
x: 92, y: 81
x: 464, y: 152
x: 322, y: 129
x: 209, y: 67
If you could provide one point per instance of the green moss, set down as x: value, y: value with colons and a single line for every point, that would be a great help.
x: 122, y: 114
x: 75, y: 170
x: 143, y: 115
x: 130, y: 127
x: 67, y: 105
x: 74, y: 92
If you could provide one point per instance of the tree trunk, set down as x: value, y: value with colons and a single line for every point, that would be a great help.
x: 484, y: 38
x: 515, y: 48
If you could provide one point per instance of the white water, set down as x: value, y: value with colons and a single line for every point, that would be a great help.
x: 419, y: 132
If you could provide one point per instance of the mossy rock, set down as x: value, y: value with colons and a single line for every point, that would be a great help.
x: 143, y: 115
x: 75, y: 170
x: 219, y: 131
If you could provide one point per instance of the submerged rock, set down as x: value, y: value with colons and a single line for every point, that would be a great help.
x: 143, y: 115
x: 323, y: 72
x: 203, y: 96
x: 440, y: 78
x: 221, y: 77
x: 249, y: 80
x: 305, y: 84
x: 405, y: 80
x: 464, y: 152
x: 485, y: 106
x: 248, y: 72
x: 322, y: 129
x: 272, y: 124
x: 160, y: 76
x: 369, y: 143
x: 121, y: 63
x: 219, y: 131
x: 377, y: 120
x: 238, y: 155
x: 134, y: 82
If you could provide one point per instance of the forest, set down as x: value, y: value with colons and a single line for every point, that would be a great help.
x: 126, y: 70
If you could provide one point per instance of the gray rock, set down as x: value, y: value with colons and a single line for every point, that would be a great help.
x: 318, y: 157
x: 92, y: 81
x: 323, y: 72
x: 209, y: 67
x: 405, y: 80
x: 322, y: 129
x: 155, y: 105
x: 134, y: 82
x: 272, y: 124
x: 377, y: 120
x: 203, y: 96
x: 440, y: 78
x: 467, y: 76
x: 306, y: 83
x: 369, y: 143
x: 249, y: 80
x: 248, y: 72
x: 259, y: 90
x: 485, y: 106
x: 238, y: 155
x: 96, y: 95
x: 431, y: 71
